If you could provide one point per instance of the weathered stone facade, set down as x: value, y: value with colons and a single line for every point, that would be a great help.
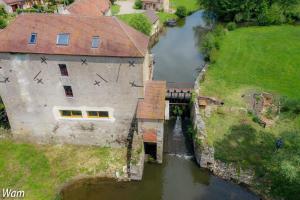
x: 34, y: 96
x: 204, y: 153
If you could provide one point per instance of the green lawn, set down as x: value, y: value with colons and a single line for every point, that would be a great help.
x: 191, y: 5
x: 163, y: 17
x: 257, y: 59
x: 41, y: 170
x: 266, y: 58
x: 127, y: 17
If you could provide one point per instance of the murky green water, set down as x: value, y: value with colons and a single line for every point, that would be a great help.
x: 178, y: 178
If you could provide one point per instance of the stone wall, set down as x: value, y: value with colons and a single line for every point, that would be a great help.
x: 33, y: 107
x: 204, y: 153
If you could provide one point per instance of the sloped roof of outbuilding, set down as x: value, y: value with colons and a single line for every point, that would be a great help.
x: 151, y: 15
x: 153, y: 105
x: 116, y: 38
x: 93, y: 8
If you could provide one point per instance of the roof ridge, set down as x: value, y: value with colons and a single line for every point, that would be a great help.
x: 117, y: 20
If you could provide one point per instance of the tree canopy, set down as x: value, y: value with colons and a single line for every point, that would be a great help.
x: 253, y: 10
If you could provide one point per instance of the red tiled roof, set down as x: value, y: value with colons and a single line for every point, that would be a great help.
x: 153, y: 104
x: 89, y: 7
x: 151, y: 16
x: 116, y: 38
x: 149, y: 135
x: 10, y: 2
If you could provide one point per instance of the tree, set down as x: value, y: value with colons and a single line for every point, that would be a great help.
x: 248, y: 10
x: 141, y: 23
x: 181, y: 12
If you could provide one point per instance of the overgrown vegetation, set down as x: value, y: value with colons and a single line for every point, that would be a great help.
x: 51, y: 7
x: 211, y: 43
x: 260, y: 59
x: 138, y: 21
x: 138, y: 4
x: 4, y: 17
x: 190, y: 5
x: 163, y: 17
x: 181, y: 12
x: 40, y: 170
x: 263, y: 12
x: 115, y: 9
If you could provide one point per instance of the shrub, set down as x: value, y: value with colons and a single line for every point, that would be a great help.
x: 138, y: 4
x: 3, y: 12
x: 141, y: 23
x: 272, y: 15
x: 181, y: 12
x: 231, y: 26
x: 219, y: 31
x: 3, y: 23
x: 291, y: 106
x: 208, y: 44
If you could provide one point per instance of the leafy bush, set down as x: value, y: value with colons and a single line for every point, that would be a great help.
x: 138, y: 4
x: 141, y: 23
x: 264, y: 11
x: 3, y: 23
x: 272, y: 15
x: 211, y: 43
x: 181, y: 12
x: 3, y: 12
x: 231, y: 26
x: 291, y: 106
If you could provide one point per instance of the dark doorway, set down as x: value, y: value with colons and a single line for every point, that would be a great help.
x: 150, y: 149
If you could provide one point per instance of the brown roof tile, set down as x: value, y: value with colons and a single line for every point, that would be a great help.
x: 149, y: 135
x: 10, y: 2
x: 89, y: 7
x: 151, y: 16
x: 116, y: 38
x: 153, y: 104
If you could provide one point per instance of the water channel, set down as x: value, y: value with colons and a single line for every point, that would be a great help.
x: 178, y: 178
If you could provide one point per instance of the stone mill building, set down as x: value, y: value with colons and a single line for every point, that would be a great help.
x: 72, y: 79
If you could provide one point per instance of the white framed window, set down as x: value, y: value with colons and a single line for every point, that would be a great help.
x: 95, y: 42
x: 32, y: 38
x: 63, y: 39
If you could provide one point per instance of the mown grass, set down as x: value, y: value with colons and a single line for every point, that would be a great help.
x: 266, y: 58
x: 163, y: 17
x: 261, y: 59
x: 191, y: 5
x: 41, y: 170
x: 127, y: 17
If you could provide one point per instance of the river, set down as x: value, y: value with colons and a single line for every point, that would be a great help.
x: 178, y: 178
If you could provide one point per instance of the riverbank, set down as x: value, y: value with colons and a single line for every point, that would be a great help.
x: 254, y: 69
x: 40, y: 170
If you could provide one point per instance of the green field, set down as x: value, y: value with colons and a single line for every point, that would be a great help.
x: 41, y: 170
x: 259, y: 59
x: 263, y: 57
x: 191, y: 5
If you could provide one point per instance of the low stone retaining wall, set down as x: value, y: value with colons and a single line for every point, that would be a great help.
x: 204, y: 153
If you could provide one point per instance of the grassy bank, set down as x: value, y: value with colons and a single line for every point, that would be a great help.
x: 257, y: 59
x: 41, y: 170
x: 191, y: 5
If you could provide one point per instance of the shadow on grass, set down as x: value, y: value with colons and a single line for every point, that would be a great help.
x: 277, y: 170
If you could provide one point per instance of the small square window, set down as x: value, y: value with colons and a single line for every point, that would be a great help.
x: 63, y: 70
x: 32, y: 39
x: 68, y: 91
x: 95, y: 42
x: 63, y: 39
